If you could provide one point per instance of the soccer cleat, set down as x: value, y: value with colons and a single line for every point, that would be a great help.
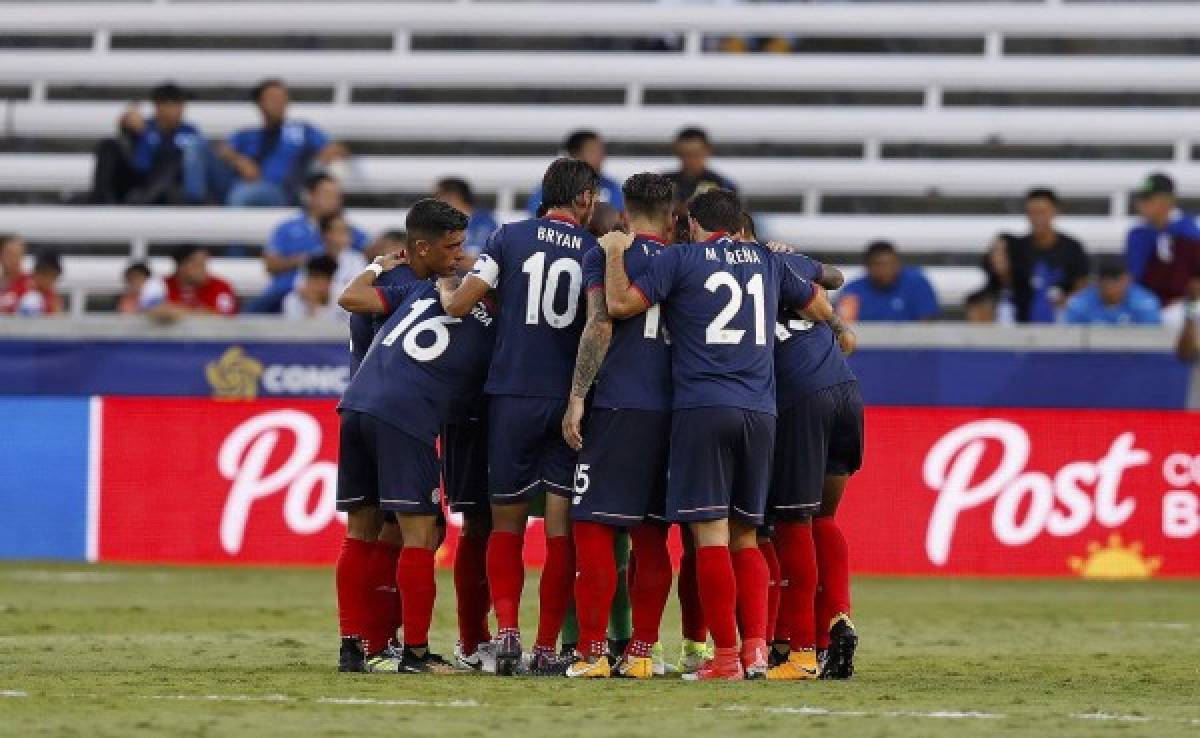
x: 635, y: 667
x: 484, y: 658
x: 779, y: 653
x: 616, y: 648
x: 800, y: 665
x: 382, y: 663
x: 351, y: 657
x: 425, y: 662
x: 508, y: 655
x: 593, y: 667
x: 546, y: 664
x: 659, y: 659
x: 843, y: 642
x: 692, y: 656
x: 754, y: 658
x: 725, y: 665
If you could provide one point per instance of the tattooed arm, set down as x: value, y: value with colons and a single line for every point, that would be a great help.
x: 593, y: 346
x: 847, y: 340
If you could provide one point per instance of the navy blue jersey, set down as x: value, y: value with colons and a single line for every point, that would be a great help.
x: 807, y: 356
x: 721, y: 300
x: 420, y: 361
x: 536, y: 266
x: 364, y: 326
x: 636, y: 373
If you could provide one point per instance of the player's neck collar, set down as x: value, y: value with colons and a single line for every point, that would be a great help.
x: 651, y: 237
x: 562, y: 219
x: 717, y: 235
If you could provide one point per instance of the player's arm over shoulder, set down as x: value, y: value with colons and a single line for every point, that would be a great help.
x: 483, y: 277
x: 362, y: 296
x: 622, y: 298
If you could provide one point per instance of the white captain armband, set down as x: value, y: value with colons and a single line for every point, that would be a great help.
x: 374, y: 269
x: 487, y: 269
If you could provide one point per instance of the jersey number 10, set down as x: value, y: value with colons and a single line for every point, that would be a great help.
x: 543, y: 285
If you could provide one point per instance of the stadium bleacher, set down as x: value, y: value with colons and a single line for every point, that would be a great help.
x: 901, y: 111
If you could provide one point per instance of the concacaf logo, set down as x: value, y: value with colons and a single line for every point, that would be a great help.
x: 234, y: 376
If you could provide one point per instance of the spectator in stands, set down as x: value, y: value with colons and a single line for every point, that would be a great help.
x: 14, y: 282
x: 890, y: 291
x: 1113, y: 300
x: 135, y: 277
x: 588, y: 146
x: 155, y: 161
x: 272, y: 161
x: 313, y: 295
x: 42, y: 297
x: 338, y: 239
x: 1163, y: 251
x: 981, y: 306
x: 693, y: 150
x: 298, y: 239
x: 456, y: 193
x: 191, y: 290
x: 1041, y: 269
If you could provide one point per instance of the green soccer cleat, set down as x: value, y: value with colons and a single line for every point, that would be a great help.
x: 692, y: 656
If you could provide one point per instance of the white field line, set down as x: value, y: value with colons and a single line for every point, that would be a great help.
x: 13, y: 693
x: 1108, y: 716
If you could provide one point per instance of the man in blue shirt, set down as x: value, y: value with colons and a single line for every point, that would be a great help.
x: 1163, y: 250
x: 694, y: 149
x: 721, y: 299
x: 890, y: 291
x: 535, y: 266
x: 480, y: 224
x: 270, y: 162
x: 1114, y: 300
x: 391, y: 414
x: 153, y: 161
x: 589, y: 147
x: 298, y: 239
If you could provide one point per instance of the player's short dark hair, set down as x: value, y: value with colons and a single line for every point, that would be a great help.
x: 264, y: 85
x: 47, y: 261
x: 748, y: 226
x: 576, y: 140
x: 1110, y: 268
x: 457, y: 186
x: 875, y: 248
x: 717, y: 210
x: 321, y: 266
x: 326, y: 222
x: 314, y: 180
x: 137, y: 267
x: 168, y: 92
x: 431, y: 219
x: 693, y: 133
x: 648, y: 193
x: 1042, y: 193
x: 184, y: 251
x: 566, y: 179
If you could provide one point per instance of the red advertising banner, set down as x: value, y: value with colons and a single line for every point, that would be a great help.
x: 943, y: 490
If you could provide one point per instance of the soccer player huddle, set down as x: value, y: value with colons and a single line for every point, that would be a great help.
x: 616, y: 384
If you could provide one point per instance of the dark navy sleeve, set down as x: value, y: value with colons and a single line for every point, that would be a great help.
x: 593, y: 269
x: 794, y: 290
x: 393, y: 296
x: 810, y: 269
x: 657, y: 281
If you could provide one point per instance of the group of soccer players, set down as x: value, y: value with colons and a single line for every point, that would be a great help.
x: 612, y: 384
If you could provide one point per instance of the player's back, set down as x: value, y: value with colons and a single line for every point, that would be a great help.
x: 364, y: 326
x: 722, y: 300
x: 421, y: 360
x: 536, y: 267
x: 807, y: 355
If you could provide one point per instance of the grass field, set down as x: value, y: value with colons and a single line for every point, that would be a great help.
x: 131, y: 651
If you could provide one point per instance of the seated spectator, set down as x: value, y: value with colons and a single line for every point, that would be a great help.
x: 272, y: 161
x: 456, y: 193
x: 1041, y: 269
x: 693, y: 150
x: 313, y: 295
x: 337, y: 239
x: 191, y: 290
x: 135, y: 277
x: 14, y: 282
x: 298, y: 239
x: 1163, y: 251
x: 155, y: 161
x: 41, y: 298
x: 982, y: 306
x: 1114, y: 300
x: 890, y: 291
x: 589, y: 147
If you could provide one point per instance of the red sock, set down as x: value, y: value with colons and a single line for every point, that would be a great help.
x: 554, y: 592
x: 718, y: 594
x: 414, y: 578
x: 381, y: 591
x: 798, y: 562
x: 506, y: 577
x: 351, y: 580
x: 471, y: 591
x: 690, y: 612
x: 750, y: 571
x: 768, y: 552
x: 651, y: 588
x: 595, y: 584
x: 833, y: 566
